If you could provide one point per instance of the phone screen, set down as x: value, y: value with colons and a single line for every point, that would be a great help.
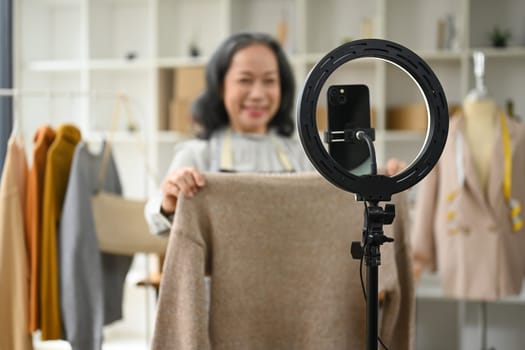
x: 349, y: 108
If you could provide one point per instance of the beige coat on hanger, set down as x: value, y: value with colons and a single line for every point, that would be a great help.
x: 14, y: 270
x: 466, y: 233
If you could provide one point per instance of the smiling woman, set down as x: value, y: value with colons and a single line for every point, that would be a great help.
x: 246, y: 124
x: 251, y: 89
x: 245, y: 120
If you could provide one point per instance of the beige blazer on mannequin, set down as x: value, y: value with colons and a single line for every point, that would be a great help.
x: 466, y: 233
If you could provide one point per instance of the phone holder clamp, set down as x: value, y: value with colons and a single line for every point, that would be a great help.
x: 348, y: 135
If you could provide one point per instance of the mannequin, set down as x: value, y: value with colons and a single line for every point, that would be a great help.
x: 469, y: 215
x: 479, y: 124
x: 469, y: 218
x: 480, y: 118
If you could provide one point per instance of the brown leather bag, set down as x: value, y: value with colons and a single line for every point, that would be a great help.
x: 120, y: 224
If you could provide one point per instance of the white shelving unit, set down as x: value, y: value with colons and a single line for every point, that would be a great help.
x: 121, y: 46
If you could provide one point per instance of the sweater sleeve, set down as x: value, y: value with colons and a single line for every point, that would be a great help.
x: 182, y: 319
x: 158, y: 223
x: 192, y: 153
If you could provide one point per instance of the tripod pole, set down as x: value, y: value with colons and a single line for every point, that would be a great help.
x: 372, y: 307
x: 373, y: 238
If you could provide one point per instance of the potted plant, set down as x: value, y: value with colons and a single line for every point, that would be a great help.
x: 499, y: 37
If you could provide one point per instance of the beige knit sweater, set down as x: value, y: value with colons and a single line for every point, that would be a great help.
x: 14, y: 270
x: 277, y: 248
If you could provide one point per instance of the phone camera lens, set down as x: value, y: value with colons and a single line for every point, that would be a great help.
x: 341, y: 99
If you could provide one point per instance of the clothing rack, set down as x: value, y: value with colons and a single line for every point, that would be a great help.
x: 56, y: 93
x: 52, y: 94
x: 70, y: 94
x: 18, y: 94
x: 121, y: 98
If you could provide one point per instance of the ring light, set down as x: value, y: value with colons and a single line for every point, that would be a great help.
x: 374, y: 187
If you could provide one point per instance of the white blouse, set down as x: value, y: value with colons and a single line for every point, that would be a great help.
x: 237, y: 152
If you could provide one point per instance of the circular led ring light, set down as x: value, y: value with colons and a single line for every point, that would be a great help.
x: 374, y: 187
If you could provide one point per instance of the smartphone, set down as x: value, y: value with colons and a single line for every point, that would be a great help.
x: 349, y: 108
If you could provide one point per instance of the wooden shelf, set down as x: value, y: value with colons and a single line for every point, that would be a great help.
x: 55, y: 66
x: 506, y: 52
x: 429, y: 289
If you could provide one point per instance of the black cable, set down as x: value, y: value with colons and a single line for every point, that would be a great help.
x: 361, y: 275
x: 362, y: 280
x: 361, y: 260
x: 362, y: 136
x: 381, y: 342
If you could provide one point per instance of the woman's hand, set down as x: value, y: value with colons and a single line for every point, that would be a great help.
x: 184, y: 181
x: 394, y: 166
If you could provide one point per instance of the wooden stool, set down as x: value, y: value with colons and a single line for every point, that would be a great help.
x: 153, y: 279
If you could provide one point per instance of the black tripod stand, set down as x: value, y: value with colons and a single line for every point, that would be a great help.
x: 373, y: 238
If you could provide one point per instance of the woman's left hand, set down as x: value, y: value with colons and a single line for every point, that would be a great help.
x: 394, y: 166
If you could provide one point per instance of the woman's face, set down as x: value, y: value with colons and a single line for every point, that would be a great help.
x: 252, y: 89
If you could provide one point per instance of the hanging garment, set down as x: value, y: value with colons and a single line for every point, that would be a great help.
x: 277, y: 249
x: 58, y: 164
x: 473, y: 238
x: 14, y: 270
x: 33, y: 217
x: 120, y: 226
x: 91, y: 282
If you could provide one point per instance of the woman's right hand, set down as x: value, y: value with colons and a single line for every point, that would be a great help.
x: 185, y: 181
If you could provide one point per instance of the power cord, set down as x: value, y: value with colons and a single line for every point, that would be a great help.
x: 364, y: 294
x: 372, y: 152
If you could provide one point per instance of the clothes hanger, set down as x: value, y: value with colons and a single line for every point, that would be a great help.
x: 122, y: 106
x: 17, y: 131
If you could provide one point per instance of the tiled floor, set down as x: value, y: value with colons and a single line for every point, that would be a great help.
x: 134, y: 331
